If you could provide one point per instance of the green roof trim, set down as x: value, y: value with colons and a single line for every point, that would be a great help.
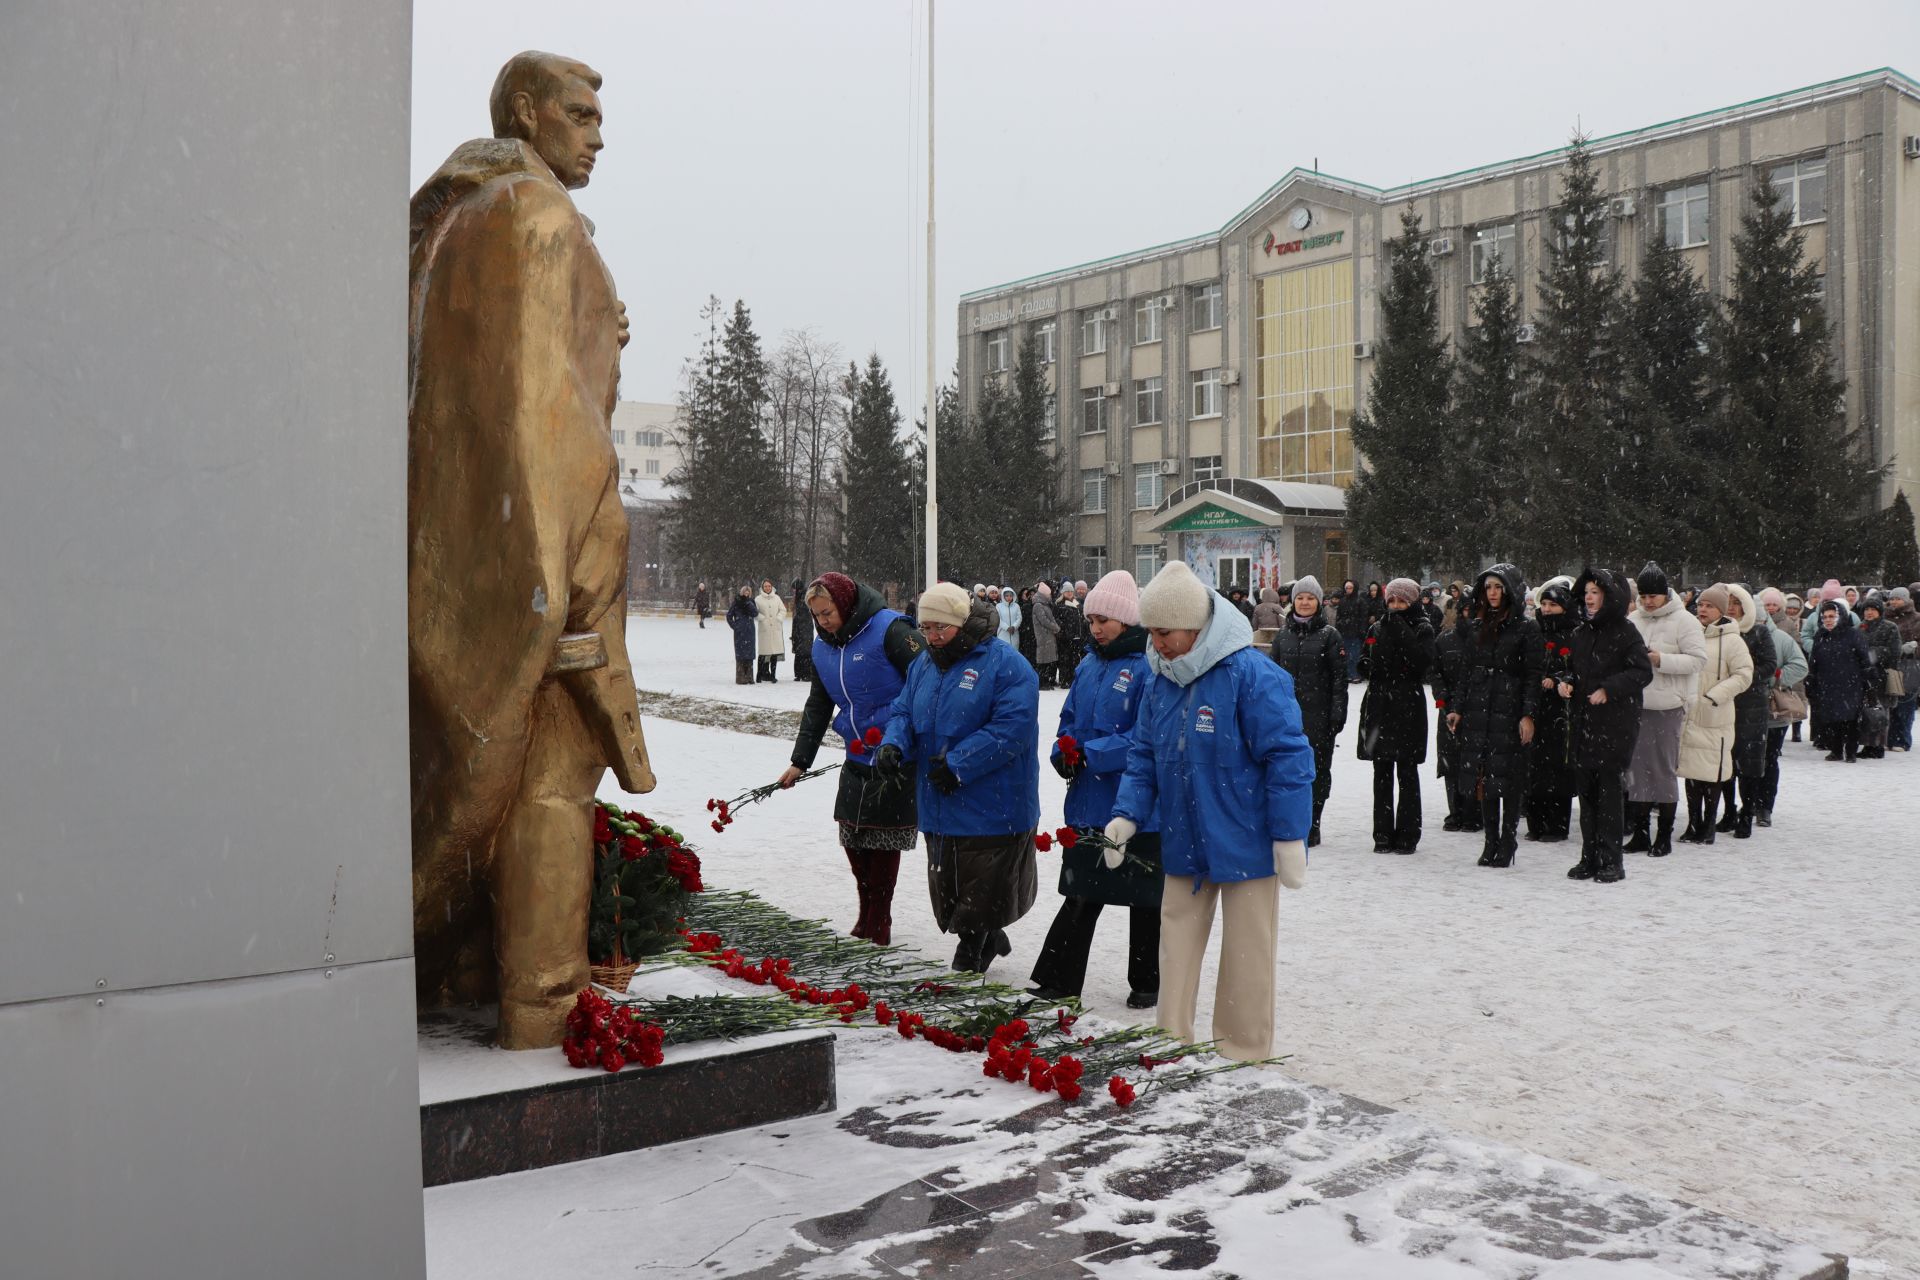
x: 1206, y: 238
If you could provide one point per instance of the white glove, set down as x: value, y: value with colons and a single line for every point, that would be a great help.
x: 1290, y: 862
x: 1907, y: 648
x: 1119, y: 831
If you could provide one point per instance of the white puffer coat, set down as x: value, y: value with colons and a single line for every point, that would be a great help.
x: 770, y: 624
x: 1674, y: 634
x: 1706, y: 744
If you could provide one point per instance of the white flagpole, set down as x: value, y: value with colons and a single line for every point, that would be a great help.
x: 933, y: 469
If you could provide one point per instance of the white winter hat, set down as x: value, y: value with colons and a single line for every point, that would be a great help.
x: 944, y: 602
x: 1309, y: 586
x: 1175, y: 600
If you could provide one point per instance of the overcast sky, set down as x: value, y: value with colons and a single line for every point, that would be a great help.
x: 774, y: 152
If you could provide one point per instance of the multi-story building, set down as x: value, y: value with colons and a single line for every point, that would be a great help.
x: 1203, y: 390
x: 644, y: 437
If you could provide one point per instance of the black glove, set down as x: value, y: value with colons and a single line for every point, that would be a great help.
x: 889, y: 762
x: 1065, y: 770
x: 943, y: 778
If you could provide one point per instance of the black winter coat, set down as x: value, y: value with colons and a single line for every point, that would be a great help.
x: 1313, y: 655
x: 800, y: 635
x: 1839, y: 668
x: 1350, y: 616
x: 1609, y: 654
x: 1448, y: 677
x: 1500, y: 685
x: 1395, y: 662
x: 742, y: 618
x: 1550, y: 756
x: 1750, y: 705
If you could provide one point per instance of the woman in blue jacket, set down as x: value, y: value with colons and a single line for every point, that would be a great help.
x: 1099, y: 716
x: 1219, y: 755
x: 969, y: 723
x: 859, y: 662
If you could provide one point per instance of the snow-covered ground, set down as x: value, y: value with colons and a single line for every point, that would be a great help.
x: 1734, y: 1026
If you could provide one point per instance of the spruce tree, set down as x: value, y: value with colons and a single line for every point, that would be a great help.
x: 1797, y: 477
x: 1407, y: 422
x: 1573, y: 449
x: 1899, y: 551
x: 1024, y: 485
x: 1671, y: 399
x: 875, y: 480
x: 728, y: 518
x: 1481, y: 506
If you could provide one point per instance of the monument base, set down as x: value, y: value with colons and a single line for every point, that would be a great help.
x: 485, y: 1111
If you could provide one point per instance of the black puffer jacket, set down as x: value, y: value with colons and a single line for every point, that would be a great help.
x: 1500, y: 685
x: 1393, y: 714
x: 1750, y: 704
x: 1550, y: 757
x: 1609, y: 654
x: 1448, y: 676
x: 1312, y: 654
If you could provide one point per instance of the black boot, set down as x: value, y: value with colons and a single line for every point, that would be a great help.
x: 1612, y: 869
x: 1710, y: 804
x: 1585, y: 868
x: 1663, y: 838
x: 1726, y: 800
x: 1638, y: 811
x: 1692, y: 834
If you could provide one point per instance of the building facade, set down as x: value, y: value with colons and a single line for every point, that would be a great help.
x: 1203, y: 391
x: 646, y: 438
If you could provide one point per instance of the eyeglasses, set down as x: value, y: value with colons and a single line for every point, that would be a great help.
x: 932, y: 629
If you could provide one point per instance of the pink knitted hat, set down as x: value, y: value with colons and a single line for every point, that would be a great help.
x: 1116, y: 596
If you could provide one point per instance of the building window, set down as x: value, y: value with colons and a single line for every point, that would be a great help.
x: 1303, y: 393
x: 997, y: 346
x: 653, y: 466
x: 1149, y: 486
x: 1490, y: 245
x: 1208, y: 467
x: 1682, y: 215
x: 1093, y: 563
x: 1801, y: 186
x: 1148, y: 559
x: 1093, y: 331
x: 1093, y: 411
x: 1205, y: 307
x: 1050, y: 419
x: 1093, y: 490
x: 1147, y: 315
x: 1148, y: 395
x: 1043, y: 341
x: 1206, y: 393
x: 619, y: 435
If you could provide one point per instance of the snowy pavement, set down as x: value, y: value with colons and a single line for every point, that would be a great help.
x: 1734, y: 1026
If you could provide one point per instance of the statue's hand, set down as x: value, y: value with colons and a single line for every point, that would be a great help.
x: 624, y: 335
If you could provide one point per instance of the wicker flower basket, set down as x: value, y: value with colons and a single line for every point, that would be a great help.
x: 614, y: 977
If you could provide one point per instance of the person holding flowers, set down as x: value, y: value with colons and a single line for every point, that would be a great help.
x: 1090, y: 752
x: 1220, y: 756
x: 968, y: 724
x: 862, y: 651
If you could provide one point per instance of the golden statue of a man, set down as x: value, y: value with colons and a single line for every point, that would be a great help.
x: 522, y: 693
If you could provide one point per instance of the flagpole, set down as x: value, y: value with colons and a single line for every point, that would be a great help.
x: 933, y: 452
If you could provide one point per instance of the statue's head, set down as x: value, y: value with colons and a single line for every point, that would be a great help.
x: 550, y: 103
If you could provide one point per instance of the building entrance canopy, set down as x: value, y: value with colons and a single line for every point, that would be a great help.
x: 1244, y: 504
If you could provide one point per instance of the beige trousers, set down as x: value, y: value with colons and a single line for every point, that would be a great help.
x: 1243, y: 997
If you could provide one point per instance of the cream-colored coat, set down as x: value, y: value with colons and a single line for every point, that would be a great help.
x: 1674, y: 634
x: 770, y: 627
x: 1706, y: 744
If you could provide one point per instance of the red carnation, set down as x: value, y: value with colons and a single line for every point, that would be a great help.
x: 1067, y: 837
x: 856, y: 748
x: 1371, y: 640
x: 602, y: 826
x: 712, y: 804
x: 1565, y: 652
x: 872, y: 736
x: 1122, y: 1093
x: 718, y: 825
x: 1043, y: 842
x: 1068, y: 1090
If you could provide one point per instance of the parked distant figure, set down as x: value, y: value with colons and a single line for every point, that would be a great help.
x: 702, y: 605
x: 1046, y: 635
x: 802, y: 633
x: 771, y: 613
x: 742, y: 617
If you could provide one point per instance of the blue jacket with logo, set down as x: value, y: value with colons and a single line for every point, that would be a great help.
x: 859, y: 678
x: 983, y: 715
x: 1100, y: 712
x: 1219, y: 748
